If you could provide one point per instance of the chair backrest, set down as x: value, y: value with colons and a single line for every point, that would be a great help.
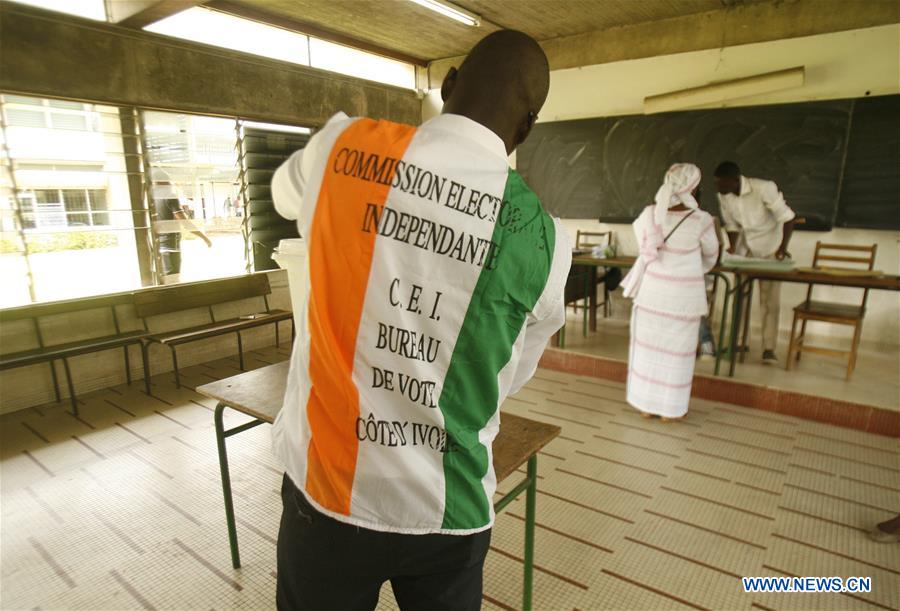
x: 37, y: 311
x: 165, y: 300
x: 843, y: 257
x: 588, y: 239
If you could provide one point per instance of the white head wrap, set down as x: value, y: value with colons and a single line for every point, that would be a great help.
x: 677, y: 188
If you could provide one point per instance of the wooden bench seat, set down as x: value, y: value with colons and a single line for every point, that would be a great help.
x: 215, y: 329
x: 178, y: 298
x: 60, y: 351
x: 51, y: 353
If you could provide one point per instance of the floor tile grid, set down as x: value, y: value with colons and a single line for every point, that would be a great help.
x: 593, y: 495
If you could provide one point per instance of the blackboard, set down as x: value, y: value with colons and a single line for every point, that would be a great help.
x: 610, y: 167
x: 870, y: 194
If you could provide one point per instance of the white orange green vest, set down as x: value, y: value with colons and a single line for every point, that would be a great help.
x: 427, y: 255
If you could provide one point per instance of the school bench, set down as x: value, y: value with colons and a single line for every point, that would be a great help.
x: 48, y: 352
x: 260, y: 394
x: 179, y: 298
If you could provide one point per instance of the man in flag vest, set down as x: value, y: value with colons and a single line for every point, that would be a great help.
x: 435, y: 280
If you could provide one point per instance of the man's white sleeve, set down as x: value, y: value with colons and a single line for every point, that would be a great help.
x: 288, y: 186
x: 290, y: 182
x: 774, y: 201
x: 549, y: 314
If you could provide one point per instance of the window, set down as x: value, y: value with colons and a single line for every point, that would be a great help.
x: 92, y: 9
x: 222, y: 30
x: 67, y: 224
x: 197, y: 156
x: 23, y: 111
x: 46, y: 208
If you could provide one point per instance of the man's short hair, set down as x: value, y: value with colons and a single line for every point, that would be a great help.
x: 727, y: 169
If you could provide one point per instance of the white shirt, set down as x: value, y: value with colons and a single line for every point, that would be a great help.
x: 409, y: 339
x: 674, y: 283
x: 759, y: 213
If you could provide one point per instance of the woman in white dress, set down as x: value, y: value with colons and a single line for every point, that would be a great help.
x: 678, y: 245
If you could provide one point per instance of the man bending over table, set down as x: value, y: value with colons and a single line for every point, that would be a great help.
x: 759, y: 223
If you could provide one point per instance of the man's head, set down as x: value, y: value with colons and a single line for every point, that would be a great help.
x: 502, y: 84
x: 728, y: 178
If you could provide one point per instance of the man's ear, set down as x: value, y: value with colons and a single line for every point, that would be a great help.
x: 449, y: 84
x: 525, y: 128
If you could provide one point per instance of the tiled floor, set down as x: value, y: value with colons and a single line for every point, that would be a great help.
x: 122, y: 508
x: 876, y: 380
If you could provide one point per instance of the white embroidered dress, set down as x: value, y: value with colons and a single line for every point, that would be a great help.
x: 665, y: 320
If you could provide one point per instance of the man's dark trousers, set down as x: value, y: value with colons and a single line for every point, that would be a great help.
x: 325, y: 564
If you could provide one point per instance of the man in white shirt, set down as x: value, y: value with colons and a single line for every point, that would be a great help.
x: 759, y: 223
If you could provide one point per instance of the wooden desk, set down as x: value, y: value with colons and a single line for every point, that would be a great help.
x: 260, y: 394
x: 743, y: 299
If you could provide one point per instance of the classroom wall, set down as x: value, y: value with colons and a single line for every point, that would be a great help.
x: 28, y: 386
x: 839, y: 65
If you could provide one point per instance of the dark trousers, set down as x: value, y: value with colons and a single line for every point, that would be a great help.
x: 171, y: 262
x: 325, y: 564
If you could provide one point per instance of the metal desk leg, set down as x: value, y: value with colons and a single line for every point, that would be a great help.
x: 530, y: 502
x: 226, y: 487
x: 745, y: 343
x: 735, y: 322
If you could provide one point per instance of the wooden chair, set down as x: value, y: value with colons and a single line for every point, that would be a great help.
x: 590, y: 239
x: 828, y: 312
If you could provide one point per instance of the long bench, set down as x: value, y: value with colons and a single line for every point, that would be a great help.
x: 50, y: 353
x: 178, y: 298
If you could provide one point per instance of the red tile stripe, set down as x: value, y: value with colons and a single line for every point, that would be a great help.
x: 563, y: 534
x: 584, y: 506
x: 703, y: 528
x: 43, y: 553
x: 632, y: 445
x: 715, y: 502
x: 654, y: 590
x: 602, y: 483
x: 821, y: 519
x: 840, y: 498
x: 686, y: 558
x: 742, y: 444
x: 539, y: 568
x: 839, y: 554
x: 130, y: 589
x: 739, y: 462
x: 624, y: 464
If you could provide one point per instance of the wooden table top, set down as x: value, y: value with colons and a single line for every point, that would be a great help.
x: 260, y: 393
x: 863, y: 280
x: 600, y: 262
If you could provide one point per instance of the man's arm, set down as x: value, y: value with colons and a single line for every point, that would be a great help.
x: 549, y: 314
x: 774, y: 201
x: 294, y: 181
x: 786, y: 231
x: 732, y: 229
x: 536, y: 336
x: 181, y: 216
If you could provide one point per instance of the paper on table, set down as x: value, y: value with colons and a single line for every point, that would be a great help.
x: 729, y: 260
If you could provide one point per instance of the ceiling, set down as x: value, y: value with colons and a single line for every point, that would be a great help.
x: 414, y: 32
